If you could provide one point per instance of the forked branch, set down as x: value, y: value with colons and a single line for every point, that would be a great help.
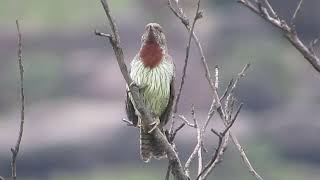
x: 114, y: 39
x: 178, y: 12
x: 288, y: 30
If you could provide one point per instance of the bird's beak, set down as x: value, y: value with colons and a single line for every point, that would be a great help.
x: 150, y: 30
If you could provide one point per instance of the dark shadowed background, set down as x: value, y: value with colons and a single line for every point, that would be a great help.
x: 75, y: 92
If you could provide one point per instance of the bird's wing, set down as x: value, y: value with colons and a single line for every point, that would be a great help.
x: 130, y: 110
x: 164, y: 118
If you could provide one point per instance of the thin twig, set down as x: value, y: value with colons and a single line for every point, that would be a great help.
x: 197, y: 16
x: 224, y: 95
x: 269, y: 7
x: 218, y: 159
x: 237, y: 79
x: 216, y: 77
x: 200, y: 134
x: 288, y: 31
x: 96, y: 32
x: 168, y: 172
x: 199, y: 139
x: 180, y: 14
x: 128, y: 123
x: 184, y: 119
x: 296, y: 12
x: 216, y: 99
x: 173, y: 135
x: 197, y: 147
x: 313, y: 43
x: 146, y: 117
x: 15, y: 150
x: 221, y: 146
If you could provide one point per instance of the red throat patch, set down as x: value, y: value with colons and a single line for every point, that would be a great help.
x: 151, y: 54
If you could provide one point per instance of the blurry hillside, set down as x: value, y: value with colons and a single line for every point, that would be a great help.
x: 75, y: 92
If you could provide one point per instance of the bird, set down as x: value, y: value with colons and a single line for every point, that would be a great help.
x: 153, y: 71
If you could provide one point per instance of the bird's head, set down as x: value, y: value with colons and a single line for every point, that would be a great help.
x: 154, y: 35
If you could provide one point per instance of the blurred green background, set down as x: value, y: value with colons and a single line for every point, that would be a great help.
x: 75, y: 92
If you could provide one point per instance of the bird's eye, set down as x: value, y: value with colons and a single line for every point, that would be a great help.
x: 158, y: 29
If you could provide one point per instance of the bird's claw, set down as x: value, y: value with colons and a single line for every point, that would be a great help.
x: 153, y: 125
x: 132, y: 84
x: 140, y: 87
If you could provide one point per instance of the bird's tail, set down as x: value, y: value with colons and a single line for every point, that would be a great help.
x: 149, y: 147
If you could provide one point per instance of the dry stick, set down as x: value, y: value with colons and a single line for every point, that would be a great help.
x: 15, y: 150
x: 114, y: 39
x: 217, y: 103
x: 195, y: 151
x: 221, y: 147
x: 196, y: 17
x: 237, y: 79
x: 175, y: 106
x: 289, y: 32
x: 220, y: 153
x: 185, y: 21
x: 269, y: 7
x: 171, y: 134
x: 233, y: 137
x: 296, y: 11
x: 201, y: 132
x: 199, y: 139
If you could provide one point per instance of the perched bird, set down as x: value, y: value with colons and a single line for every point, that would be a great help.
x: 153, y: 70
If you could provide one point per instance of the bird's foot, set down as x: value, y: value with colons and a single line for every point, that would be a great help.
x: 132, y: 84
x: 154, y: 125
x: 140, y: 87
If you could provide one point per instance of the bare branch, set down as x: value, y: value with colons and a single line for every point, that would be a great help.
x: 233, y: 120
x: 179, y: 13
x: 226, y: 121
x: 216, y: 100
x: 176, y: 169
x: 221, y: 147
x: 288, y: 31
x: 219, y: 153
x: 216, y: 75
x: 128, y: 123
x: 15, y: 150
x: 184, y: 119
x: 313, y: 43
x: 197, y: 16
x: 237, y: 79
x: 270, y: 9
x: 197, y: 147
x: 296, y: 12
x: 176, y: 131
x: 224, y: 95
x: 245, y: 158
x: 96, y: 32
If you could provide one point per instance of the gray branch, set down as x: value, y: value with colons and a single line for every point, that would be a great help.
x: 287, y: 30
x: 114, y: 38
x: 16, y: 148
x: 216, y: 99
